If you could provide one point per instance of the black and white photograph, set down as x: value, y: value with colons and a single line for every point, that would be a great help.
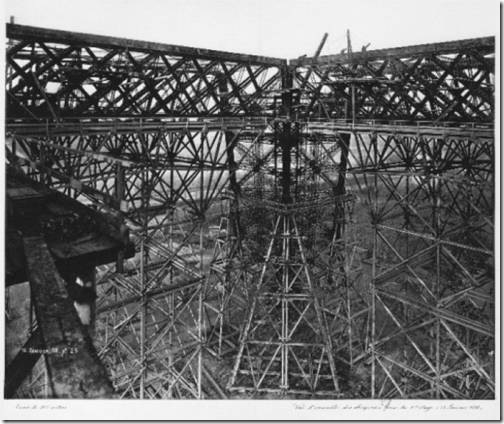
x: 251, y: 210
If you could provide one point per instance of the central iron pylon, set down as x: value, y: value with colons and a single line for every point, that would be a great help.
x: 289, y: 324
x: 285, y: 344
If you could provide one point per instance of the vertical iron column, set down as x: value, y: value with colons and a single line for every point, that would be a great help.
x: 339, y: 189
x: 286, y: 143
x: 120, y: 189
x: 232, y: 166
x: 287, y: 85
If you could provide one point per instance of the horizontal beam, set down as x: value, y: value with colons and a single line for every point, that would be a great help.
x: 484, y: 45
x: 116, y: 126
x: 46, y: 128
x: 24, y: 32
x: 443, y: 313
x: 471, y: 131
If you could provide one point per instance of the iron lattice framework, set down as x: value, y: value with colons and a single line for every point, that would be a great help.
x: 155, y: 298
x: 297, y: 291
x: 429, y: 198
x: 56, y: 74
x: 450, y: 81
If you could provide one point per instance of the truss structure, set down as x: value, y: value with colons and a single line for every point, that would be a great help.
x: 56, y: 74
x: 322, y: 226
x: 429, y: 197
x: 450, y: 81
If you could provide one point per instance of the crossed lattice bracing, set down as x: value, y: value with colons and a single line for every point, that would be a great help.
x: 430, y: 200
x: 392, y: 297
x: 165, y: 162
x: 163, y: 182
x: 285, y: 331
x: 56, y: 74
x: 443, y: 82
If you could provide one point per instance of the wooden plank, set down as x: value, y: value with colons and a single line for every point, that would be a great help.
x: 24, y: 193
x: 92, y: 243
x: 57, y: 203
x: 74, y: 368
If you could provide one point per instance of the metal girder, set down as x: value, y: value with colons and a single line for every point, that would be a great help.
x: 483, y: 44
x: 24, y: 32
x: 59, y: 74
x: 451, y: 81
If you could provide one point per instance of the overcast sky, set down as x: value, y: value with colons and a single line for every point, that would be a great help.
x: 281, y: 28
